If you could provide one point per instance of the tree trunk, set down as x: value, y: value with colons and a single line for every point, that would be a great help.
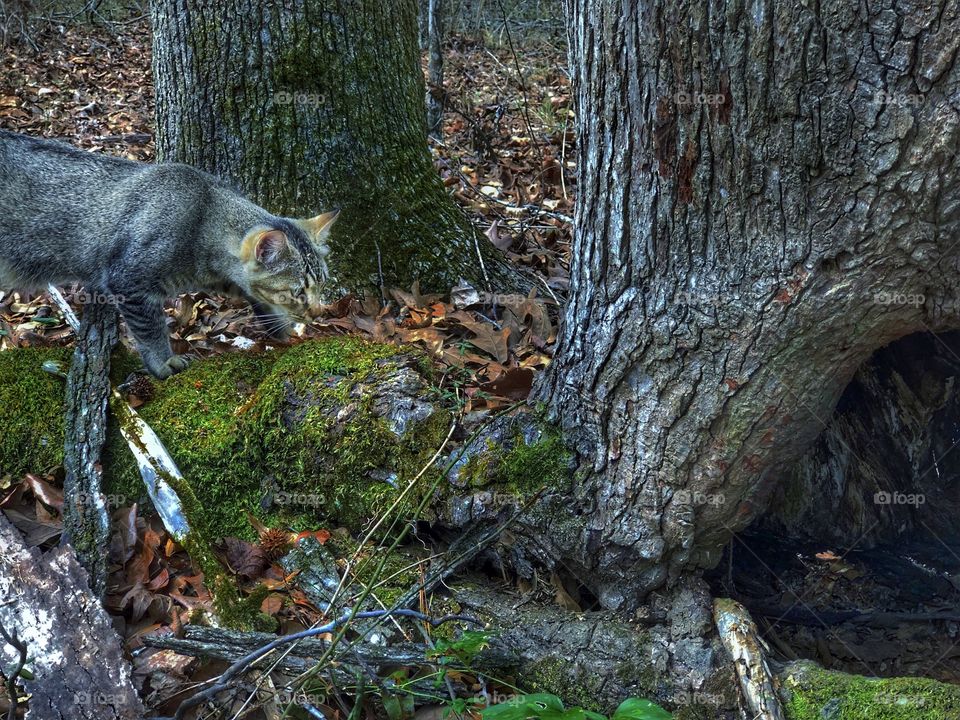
x: 768, y: 194
x: 311, y: 106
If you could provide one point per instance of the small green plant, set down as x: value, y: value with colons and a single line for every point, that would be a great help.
x: 541, y: 706
x: 463, y: 650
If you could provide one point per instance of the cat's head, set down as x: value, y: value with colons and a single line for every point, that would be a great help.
x: 286, y: 263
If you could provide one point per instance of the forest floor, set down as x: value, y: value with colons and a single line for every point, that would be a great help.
x: 507, y: 157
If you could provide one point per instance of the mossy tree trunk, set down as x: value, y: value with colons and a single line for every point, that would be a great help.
x: 310, y: 106
x: 768, y: 195
x: 86, y: 517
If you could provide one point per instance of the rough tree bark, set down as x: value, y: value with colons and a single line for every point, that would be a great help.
x: 78, y: 671
x: 768, y: 194
x: 310, y: 106
x: 86, y: 518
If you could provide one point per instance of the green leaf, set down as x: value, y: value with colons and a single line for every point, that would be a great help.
x: 392, y: 706
x: 511, y: 710
x: 464, y: 648
x: 639, y: 709
x: 547, y: 701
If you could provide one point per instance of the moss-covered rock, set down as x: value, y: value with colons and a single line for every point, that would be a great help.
x: 812, y: 693
x: 320, y: 432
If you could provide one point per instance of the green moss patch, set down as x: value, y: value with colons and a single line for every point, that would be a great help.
x: 517, y: 461
x: 31, y: 400
x: 812, y: 693
x: 290, y: 435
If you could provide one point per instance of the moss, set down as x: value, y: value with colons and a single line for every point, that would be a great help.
x: 812, y: 693
x: 525, y: 468
x: 198, y: 416
x: 32, y: 402
x: 519, y: 467
x: 558, y: 677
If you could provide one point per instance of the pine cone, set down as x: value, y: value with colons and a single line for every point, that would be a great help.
x: 275, y: 543
x: 142, y: 387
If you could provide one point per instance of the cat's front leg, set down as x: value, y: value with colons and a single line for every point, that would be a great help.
x: 147, y: 324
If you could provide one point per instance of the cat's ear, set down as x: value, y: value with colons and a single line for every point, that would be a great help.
x: 266, y: 247
x: 318, y: 227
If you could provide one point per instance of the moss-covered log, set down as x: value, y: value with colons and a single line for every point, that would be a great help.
x: 317, y: 433
x: 812, y: 693
x: 86, y: 522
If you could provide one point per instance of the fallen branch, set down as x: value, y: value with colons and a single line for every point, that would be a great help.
x: 742, y: 640
x: 243, y: 664
x: 231, y: 645
x: 156, y: 465
x: 86, y: 517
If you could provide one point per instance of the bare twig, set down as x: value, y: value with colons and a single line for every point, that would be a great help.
x: 529, y: 207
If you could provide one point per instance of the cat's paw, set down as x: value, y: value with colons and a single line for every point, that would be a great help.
x: 178, y: 363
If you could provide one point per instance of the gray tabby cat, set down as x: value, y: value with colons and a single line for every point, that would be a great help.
x: 140, y: 233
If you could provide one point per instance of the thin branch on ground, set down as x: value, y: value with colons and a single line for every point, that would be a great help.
x: 246, y: 661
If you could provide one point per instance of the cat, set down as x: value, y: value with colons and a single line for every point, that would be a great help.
x: 139, y: 233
